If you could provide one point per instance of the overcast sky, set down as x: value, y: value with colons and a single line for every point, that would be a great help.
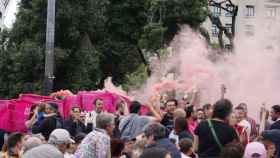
x: 10, y: 14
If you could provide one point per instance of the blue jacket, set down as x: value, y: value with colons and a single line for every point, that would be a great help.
x: 165, y: 143
x: 274, y: 136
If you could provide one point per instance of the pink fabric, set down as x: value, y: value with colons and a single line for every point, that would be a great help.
x: 15, y: 112
x: 86, y: 101
x: 68, y: 103
x: 192, y: 126
x: 33, y: 98
x: 5, y: 114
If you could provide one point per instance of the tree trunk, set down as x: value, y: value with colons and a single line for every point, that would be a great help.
x: 145, y: 62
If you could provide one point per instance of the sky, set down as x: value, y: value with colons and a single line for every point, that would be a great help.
x: 11, y: 13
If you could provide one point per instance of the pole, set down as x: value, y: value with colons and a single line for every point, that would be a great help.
x: 49, y: 59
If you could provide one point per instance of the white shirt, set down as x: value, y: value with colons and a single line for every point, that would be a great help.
x: 246, y: 125
x: 91, y: 118
x: 174, y: 136
x: 67, y: 155
x: 184, y: 156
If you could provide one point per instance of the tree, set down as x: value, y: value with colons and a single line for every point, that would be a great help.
x: 231, y: 8
x: 94, y: 39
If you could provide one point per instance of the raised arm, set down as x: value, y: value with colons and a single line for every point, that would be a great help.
x: 155, y: 109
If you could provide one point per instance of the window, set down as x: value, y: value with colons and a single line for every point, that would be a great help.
x: 250, y: 11
x: 230, y: 8
x: 229, y: 27
x: 5, y: 3
x: 249, y: 30
x: 215, y: 31
x: 271, y: 11
x: 216, y: 11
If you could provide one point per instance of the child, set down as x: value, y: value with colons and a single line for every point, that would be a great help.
x: 41, y: 113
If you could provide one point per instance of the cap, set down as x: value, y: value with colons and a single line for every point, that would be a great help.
x: 255, y: 149
x: 31, y: 142
x: 60, y: 136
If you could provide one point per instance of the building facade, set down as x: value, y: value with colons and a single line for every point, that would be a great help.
x: 255, y: 19
x: 4, y: 7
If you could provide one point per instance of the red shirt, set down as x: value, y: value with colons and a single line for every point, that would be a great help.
x: 244, y: 138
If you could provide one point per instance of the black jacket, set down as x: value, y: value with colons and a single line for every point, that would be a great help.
x: 275, y: 125
x: 74, y: 127
x: 47, y: 126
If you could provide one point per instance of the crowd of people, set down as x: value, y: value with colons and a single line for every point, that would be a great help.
x: 175, y: 130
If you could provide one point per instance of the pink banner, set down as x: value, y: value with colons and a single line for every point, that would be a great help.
x: 15, y: 112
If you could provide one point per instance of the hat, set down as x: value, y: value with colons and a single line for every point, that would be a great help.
x: 31, y: 142
x: 60, y: 136
x: 255, y: 149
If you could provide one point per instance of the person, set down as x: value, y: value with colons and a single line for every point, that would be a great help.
x: 14, y: 146
x: 37, y: 115
x: 167, y: 119
x: 128, y: 147
x: 30, y: 143
x: 41, y: 113
x: 131, y: 125
x: 255, y: 149
x: 240, y: 130
x: 254, y: 132
x: 232, y: 150
x: 32, y: 118
x: 97, y: 143
x: 186, y: 148
x: 191, y: 119
x: 180, y: 130
x: 270, y: 138
x: 177, y: 113
x: 58, y: 142
x: 275, y: 116
x: 212, y: 135
x: 156, y: 137
x: 90, y: 118
x: 73, y: 147
x: 208, y: 110
x: 200, y: 115
x: 266, y: 124
x: 240, y: 115
x: 121, y: 112
x: 74, y: 124
x: 117, y: 146
x: 155, y: 153
x: 2, y: 138
x: 49, y: 123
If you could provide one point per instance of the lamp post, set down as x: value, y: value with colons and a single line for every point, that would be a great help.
x: 49, y: 58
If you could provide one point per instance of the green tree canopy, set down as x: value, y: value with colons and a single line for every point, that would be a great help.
x: 94, y: 39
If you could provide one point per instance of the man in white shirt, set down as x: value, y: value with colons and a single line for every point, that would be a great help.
x: 240, y: 113
x: 91, y: 116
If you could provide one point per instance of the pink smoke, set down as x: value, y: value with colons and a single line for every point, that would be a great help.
x: 250, y: 73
